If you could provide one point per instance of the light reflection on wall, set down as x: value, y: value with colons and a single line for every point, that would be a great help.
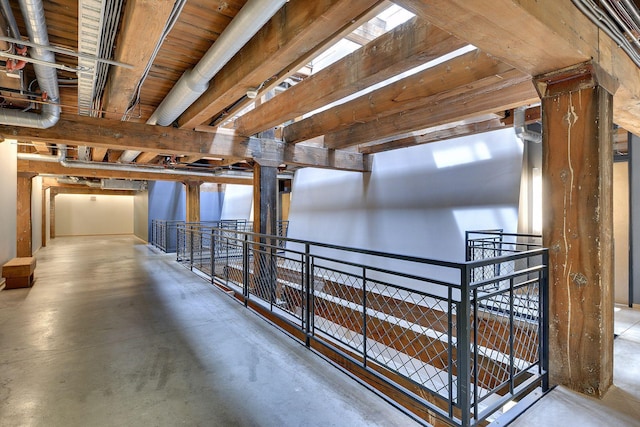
x: 416, y: 201
x: 461, y: 154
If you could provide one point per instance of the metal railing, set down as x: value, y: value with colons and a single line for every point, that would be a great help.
x: 164, y: 234
x: 439, y: 333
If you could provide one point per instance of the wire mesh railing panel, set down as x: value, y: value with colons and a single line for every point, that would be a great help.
x: 423, y: 335
x: 290, y: 287
x: 411, y: 333
x: 506, y: 326
x: 339, y: 314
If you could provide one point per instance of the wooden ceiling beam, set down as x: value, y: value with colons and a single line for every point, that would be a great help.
x: 301, y: 62
x: 538, y: 37
x: 506, y: 29
x: 509, y: 90
x: 292, y: 32
x: 98, y: 153
x: 57, y: 169
x: 457, y: 131
x: 41, y: 147
x: 119, y: 135
x: 142, y: 25
x: 113, y: 155
x: 146, y: 157
x: 407, y: 46
x: 450, y: 77
x: 531, y: 115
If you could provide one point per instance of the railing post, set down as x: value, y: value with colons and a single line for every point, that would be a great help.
x: 463, y: 350
x: 178, y: 248
x: 511, y: 337
x: 191, y: 248
x: 308, y: 292
x: 201, y: 232
x: 364, y: 317
x: 245, y: 269
x: 543, y: 319
x: 467, y: 246
x: 212, y: 242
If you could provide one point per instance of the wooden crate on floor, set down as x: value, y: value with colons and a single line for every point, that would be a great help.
x: 19, y: 272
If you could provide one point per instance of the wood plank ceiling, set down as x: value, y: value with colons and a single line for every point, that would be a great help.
x: 466, y: 93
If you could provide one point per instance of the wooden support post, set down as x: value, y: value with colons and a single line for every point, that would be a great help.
x: 577, y: 170
x: 193, y: 201
x: 23, y: 214
x: 265, y: 199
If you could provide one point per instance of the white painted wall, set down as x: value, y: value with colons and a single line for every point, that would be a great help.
x: 82, y: 214
x: 48, y: 212
x: 141, y: 215
x: 36, y: 214
x: 8, y: 198
x: 238, y: 201
x: 417, y: 201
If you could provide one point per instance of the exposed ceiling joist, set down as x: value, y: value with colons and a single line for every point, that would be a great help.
x: 142, y: 20
x: 295, y: 30
x: 118, y: 135
x: 406, y: 47
x: 146, y: 157
x: 509, y: 90
x: 98, y: 153
x: 564, y: 36
x: 445, y: 80
x: 57, y: 169
x: 457, y: 131
x: 41, y: 147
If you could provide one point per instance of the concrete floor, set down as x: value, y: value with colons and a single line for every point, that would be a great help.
x: 620, y: 406
x: 115, y: 334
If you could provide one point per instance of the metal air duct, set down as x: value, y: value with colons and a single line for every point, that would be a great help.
x: 33, y: 12
x: 62, y: 159
x: 521, y: 128
x: 253, y: 15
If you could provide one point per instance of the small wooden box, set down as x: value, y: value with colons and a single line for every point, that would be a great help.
x: 18, y: 272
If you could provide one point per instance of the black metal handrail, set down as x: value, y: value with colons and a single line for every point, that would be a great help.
x: 471, y: 335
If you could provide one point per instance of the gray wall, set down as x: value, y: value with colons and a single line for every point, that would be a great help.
x: 141, y: 215
x: 238, y: 201
x: 417, y: 201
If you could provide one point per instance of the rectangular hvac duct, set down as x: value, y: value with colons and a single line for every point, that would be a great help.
x: 123, y: 184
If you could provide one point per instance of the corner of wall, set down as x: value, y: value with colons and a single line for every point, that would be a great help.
x: 8, y: 195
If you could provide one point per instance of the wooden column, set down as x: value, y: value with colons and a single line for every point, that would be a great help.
x: 23, y: 214
x: 577, y: 173
x: 265, y: 199
x: 193, y: 201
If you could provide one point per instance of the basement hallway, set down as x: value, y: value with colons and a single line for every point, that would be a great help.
x: 114, y: 333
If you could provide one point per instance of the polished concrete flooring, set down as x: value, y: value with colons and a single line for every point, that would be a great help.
x: 114, y: 333
x: 619, y: 407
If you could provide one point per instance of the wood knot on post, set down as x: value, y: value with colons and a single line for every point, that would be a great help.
x: 564, y: 174
x: 579, y: 279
